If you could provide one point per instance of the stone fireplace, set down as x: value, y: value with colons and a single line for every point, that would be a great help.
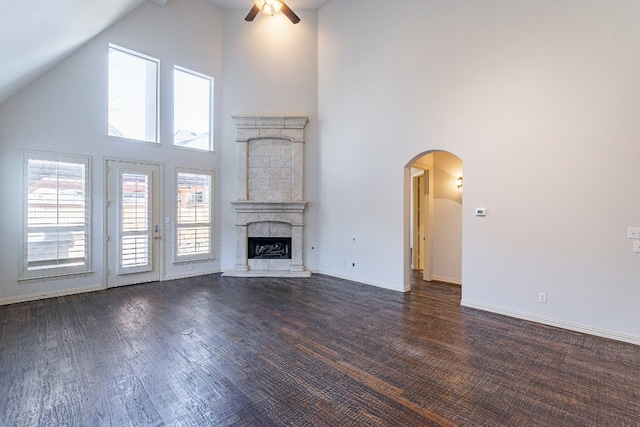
x: 269, y: 200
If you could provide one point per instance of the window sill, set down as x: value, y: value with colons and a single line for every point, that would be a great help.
x: 193, y: 261
x: 193, y: 150
x: 133, y: 141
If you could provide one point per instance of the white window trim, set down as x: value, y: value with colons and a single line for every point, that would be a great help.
x: 180, y: 259
x: 56, y: 272
x: 157, y: 127
x: 211, y: 107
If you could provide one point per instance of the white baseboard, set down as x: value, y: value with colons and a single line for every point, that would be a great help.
x: 73, y: 291
x: 191, y: 274
x: 358, y: 280
x: 451, y: 280
x: 43, y: 295
x: 618, y: 336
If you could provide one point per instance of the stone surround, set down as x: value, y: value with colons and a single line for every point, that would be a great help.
x: 269, y: 199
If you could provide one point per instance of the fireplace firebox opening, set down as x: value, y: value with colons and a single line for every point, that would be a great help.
x: 269, y: 248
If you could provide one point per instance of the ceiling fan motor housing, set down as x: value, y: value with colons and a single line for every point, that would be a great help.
x: 269, y: 7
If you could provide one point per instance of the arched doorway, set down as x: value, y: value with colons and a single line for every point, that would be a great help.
x: 433, y: 217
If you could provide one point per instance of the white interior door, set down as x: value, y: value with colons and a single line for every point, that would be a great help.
x: 133, y: 226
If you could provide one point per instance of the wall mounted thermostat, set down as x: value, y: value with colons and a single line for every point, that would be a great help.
x: 481, y: 212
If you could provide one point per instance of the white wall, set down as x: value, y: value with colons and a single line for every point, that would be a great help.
x: 66, y: 111
x: 540, y: 101
x: 270, y: 68
x: 446, y: 224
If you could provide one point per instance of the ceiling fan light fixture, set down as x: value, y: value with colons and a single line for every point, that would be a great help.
x: 268, y: 7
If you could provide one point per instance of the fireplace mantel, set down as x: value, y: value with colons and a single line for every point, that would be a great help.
x: 270, y: 202
x: 250, y: 206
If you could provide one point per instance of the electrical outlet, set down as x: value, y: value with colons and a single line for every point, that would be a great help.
x: 633, y: 233
x: 542, y: 297
x: 636, y: 247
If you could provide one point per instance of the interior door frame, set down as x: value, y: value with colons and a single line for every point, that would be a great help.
x: 105, y: 217
x: 418, y: 221
x: 427, y: 249
x: 426, y: 206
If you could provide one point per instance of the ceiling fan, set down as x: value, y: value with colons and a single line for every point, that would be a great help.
x: 271, y: 7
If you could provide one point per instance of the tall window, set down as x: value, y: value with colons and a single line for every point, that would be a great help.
x: 193, y: 217
x: 192, y: 109
x: 56, y: 213
x: 133, y: 95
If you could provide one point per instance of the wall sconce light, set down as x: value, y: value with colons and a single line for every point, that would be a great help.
x: 459, y: 183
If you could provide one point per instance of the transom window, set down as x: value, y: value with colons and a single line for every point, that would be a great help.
x: 192, y: 109
x: 133, y: 95
x: 56, y: 212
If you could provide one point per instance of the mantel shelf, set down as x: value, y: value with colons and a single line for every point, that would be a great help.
x: 253, y: 206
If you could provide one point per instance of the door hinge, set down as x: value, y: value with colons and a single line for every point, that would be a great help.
x: 107, y: 238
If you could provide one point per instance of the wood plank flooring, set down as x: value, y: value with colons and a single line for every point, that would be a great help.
x: 301, y: 352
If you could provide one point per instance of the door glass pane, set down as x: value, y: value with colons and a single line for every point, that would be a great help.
x: 135, y: 251
x: 135, y: 221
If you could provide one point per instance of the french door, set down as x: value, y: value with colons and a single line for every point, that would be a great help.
x: 133, y: 226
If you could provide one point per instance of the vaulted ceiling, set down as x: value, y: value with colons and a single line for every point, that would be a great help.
x: 36, y: 34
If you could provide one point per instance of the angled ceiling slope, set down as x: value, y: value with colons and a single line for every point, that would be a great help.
x: 43, y: 32
x: 40, y: 33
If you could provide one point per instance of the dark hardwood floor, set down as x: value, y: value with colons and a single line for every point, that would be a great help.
x: 301, y: 352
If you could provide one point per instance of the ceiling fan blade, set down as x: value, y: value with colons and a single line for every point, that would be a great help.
x: 252, y: 13
x: 290, y: 14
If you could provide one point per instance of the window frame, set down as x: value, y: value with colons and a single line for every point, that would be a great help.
x: 211, y: 108
x: 180, y: 259
x: 56, y: 271
x: 121, y: 49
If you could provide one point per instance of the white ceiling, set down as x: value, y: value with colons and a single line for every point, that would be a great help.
x: 293, y: 4
x: 36, y: 34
